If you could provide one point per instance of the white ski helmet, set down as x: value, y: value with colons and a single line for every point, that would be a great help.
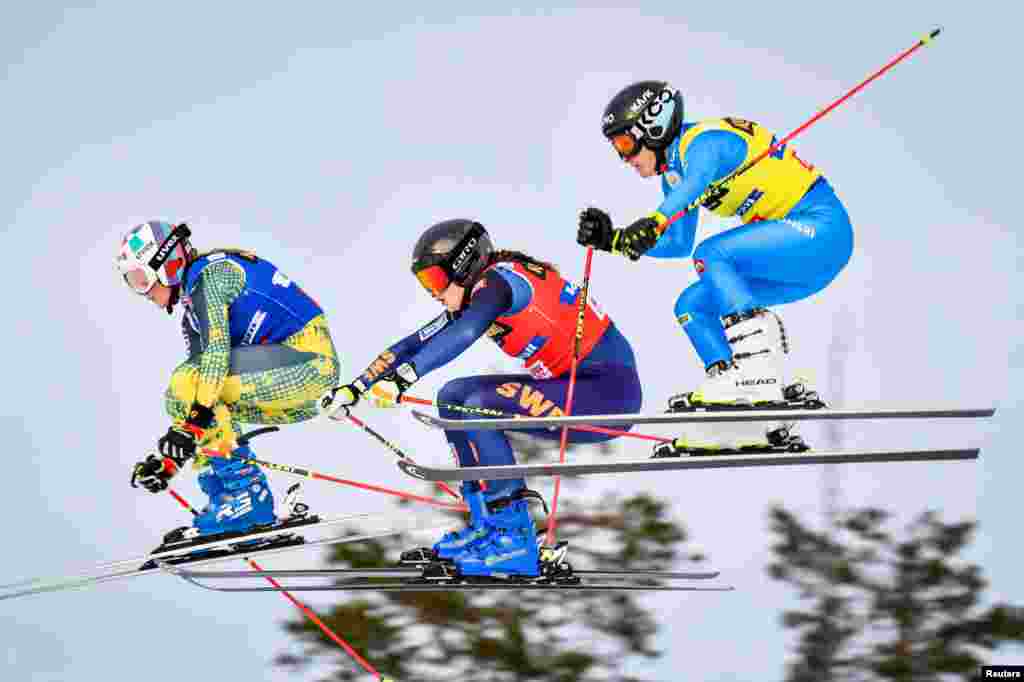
x: 152, y: 252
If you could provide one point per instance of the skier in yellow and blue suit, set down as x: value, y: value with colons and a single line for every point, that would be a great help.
x: 794, y: 240
x: 259, y: 351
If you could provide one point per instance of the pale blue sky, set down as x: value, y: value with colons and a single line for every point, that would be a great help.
x: 327, y: 137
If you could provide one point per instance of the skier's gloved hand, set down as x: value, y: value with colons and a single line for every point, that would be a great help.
x: 153, y: 473
x: 335, y: 402
x: 179, y: 443
x: 635, y: 240
x: 595, y: 229
x: 387, y: 392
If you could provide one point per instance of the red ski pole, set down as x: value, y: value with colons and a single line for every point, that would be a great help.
x: 716, y: 187
x: 308, y: 612
x: 580, y: 316
x: 395, y: 449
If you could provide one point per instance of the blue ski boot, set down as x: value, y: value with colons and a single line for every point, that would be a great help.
x: 239, y: 496
x: 455, y: 542
x: 510, y: 547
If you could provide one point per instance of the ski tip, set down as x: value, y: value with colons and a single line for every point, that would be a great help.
x: 694, y: 575
x: 411, y: 469
x: 426, y: 419
x: 168, y: 568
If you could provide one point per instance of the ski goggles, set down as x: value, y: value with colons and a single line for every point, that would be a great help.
x: 625, y: 144
x: 141, y: 280
x: 434, y: 279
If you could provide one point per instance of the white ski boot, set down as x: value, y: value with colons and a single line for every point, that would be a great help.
x: 752, y: 380
x: 754, y: 375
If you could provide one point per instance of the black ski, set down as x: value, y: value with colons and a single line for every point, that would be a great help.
x: 441, y: 577
x: 178, y: 540
x: 676, y: 463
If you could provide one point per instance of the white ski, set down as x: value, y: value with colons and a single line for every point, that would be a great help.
x: 671, y: 464
x: 699, y: 416
x: 113, y: 570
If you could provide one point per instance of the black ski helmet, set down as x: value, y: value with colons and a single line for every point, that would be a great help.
x: 650, y: 111
x: 459, y: 247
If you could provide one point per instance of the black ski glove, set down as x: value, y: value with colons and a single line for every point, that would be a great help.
x: 179, y: 443
x: 595, y: 229
x: 153, y: 473
x: 637, y: 239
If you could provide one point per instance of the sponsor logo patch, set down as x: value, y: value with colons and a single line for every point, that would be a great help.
x: 536, y: 269
x: 741, y: 124
x: 641, y: 101
x: 539, y: 370
x: 535, y: 345
x: 570, y: 294
x: 381, y: 365
x: 467, y: 251
x: 749, y: 202
x: 805, y: 230
x: 756, y: 382
x: 434, y: 327
x: 254, y: 325
x: 498, y: 331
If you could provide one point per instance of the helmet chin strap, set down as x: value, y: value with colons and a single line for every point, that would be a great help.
x: 173, y: 299
x: 661, y: 160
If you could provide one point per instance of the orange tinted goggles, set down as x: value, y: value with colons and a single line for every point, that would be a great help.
x: 434, y: 279
x: 625, y: 144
